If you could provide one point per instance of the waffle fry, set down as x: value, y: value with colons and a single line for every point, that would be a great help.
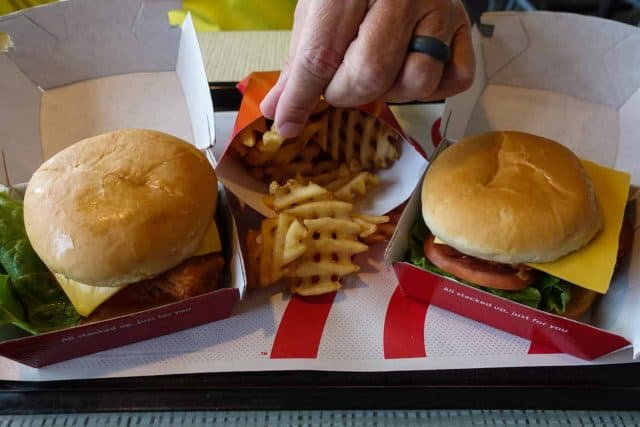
x: 312, y: 241
x: 257, y: 157
x: 329, y: 256
x: 254, y: 252
x: 295, y: 242
x: 312, y: 286
x: 251, y: 134
x: 386, y: 152
x: 324, y: 208
x: 333, y: 137
x: 268, y: 232
x: 331, y: 246
x: 288, y: 152
x: 324, y: 166
x: 282, y: 173
x: 294, y: 193
x: 357, y: 185
x: 382, y: 234
x: 369, y: 225
x: 309, y: 153
x: 271, y: 142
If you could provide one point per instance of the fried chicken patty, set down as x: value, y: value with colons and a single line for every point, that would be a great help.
x: 195, y: 276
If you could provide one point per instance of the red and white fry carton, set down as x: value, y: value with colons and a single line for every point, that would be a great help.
x: 575, y: 80
x: 396, y: 182
x: 81, y: 68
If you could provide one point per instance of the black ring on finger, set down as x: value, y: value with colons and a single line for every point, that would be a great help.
x: 431, y: 46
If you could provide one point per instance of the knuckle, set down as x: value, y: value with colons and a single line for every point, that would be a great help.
x: 370, y: 80
x: 427, y: 84
x: 320, y: 62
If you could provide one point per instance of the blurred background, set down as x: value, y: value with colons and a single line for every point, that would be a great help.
x: 229, y: 15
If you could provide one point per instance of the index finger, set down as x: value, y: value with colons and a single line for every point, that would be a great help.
x: 331, y: 26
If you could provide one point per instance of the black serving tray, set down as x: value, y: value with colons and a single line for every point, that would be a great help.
x: 575, y: 387
x: 595, y: 387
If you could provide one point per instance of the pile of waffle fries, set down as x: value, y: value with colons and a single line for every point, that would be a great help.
x: 314, y: 180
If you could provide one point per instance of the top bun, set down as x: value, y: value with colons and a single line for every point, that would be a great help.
x: 510, y: 197
x: 120, y: 207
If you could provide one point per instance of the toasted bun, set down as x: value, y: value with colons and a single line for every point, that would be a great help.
x: 510, y: 197
x: 120, y: 207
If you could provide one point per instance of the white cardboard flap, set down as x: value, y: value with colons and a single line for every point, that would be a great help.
x: 566, y: 77
x: 74, y: 42
x: 573, y: 79
x: 193, y: 78
x: 72, y: 74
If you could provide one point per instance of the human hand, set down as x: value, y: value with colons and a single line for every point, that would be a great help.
x: 355, y: 52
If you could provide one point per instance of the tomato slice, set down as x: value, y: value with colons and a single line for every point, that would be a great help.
x: 484, y: 273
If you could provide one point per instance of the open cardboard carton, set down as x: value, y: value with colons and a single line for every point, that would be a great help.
x: 80, y: 68
x: 569, y: 78
x: 396, y: 182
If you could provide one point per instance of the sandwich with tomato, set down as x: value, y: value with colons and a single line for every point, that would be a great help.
x: 497, y: 203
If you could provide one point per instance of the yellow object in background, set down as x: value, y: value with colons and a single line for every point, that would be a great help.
x: 211, y: 15
x: 5, y: 42
x: 226, y: 15
x: 8, y: 6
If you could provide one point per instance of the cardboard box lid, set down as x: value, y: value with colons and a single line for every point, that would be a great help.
x: 54, y: 47
x: 570, y: 78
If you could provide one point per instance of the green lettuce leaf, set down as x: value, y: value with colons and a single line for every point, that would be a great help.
x: 45, y: 303
x: 556, y: 293
x: 11, y: 309
x: 548, y: 293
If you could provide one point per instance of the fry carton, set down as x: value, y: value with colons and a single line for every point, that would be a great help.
x: 244, y: 175
x: 583, y: 92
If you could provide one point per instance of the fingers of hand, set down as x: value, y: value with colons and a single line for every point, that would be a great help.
x: 423, y: 77
x: 374, y: 58
x: 458, y: 74
x: 319, y: 52
x: 270, y: 101
x: 421, y: 73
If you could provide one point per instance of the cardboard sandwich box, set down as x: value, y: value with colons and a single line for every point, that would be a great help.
x: 76, y: 69
x: 575, y: 80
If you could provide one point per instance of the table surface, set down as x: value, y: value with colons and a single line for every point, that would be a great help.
x: 228, y: 57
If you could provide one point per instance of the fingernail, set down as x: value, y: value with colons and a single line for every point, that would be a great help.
x: 289, y: 129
